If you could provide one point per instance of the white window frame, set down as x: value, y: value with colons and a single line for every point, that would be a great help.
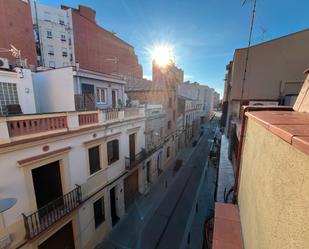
x: 99, y: 100
x: 47, y: 33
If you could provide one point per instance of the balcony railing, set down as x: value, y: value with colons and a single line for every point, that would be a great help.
x: 46, y: 216
x: 131, y: 162
x: 35, y: 125
x: 19, y: 127
x: 88, y: 118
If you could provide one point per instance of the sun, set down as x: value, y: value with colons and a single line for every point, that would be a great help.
x: 162, y: 55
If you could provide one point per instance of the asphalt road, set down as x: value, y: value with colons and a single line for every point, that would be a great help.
x: 167, y: 227
x: 161, y: 219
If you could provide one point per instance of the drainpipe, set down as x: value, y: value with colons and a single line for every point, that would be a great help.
x: 241, y: 139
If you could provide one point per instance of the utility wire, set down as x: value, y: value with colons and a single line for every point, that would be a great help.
x: 247, y: 53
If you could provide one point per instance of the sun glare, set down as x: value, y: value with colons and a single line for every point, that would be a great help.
x: 163, y: 55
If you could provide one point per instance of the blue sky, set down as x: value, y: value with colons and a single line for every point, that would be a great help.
x: 204, y: 33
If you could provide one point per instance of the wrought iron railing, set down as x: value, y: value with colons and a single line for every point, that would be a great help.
x: 46, y: 216
x: 133, y: 161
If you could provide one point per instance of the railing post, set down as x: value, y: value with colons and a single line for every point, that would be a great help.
x: 72, y: 121
x: 26, y: 226
x: 121, y: 114
x: 4, y: 131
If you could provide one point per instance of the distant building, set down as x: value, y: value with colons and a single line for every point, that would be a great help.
x: 203, y: 94
x: 99, y: 50
x: 16, y: 30
x: 53, y: 32
x: 163, y: 91
x: 154, y: 141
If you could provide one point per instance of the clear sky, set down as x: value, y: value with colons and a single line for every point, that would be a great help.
x: 204, y: 33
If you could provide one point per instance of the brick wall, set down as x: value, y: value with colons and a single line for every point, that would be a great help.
x: 95, y: 47
x: 16, y: 29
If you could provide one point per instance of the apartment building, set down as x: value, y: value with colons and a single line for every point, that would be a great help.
x: 69, y: 175
x: 17, y: 27
x: 76, y: 89
x: 16, y: 92
x: 272, y: 192
x: 205, y: 95
x: 53, y: 33
x: 154, y: 142
x: 273, y: 77
x: 105, y: 53
x: 190, y: 110
x: 163, y: 90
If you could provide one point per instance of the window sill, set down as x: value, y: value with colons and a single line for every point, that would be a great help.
x: 96, y: 173
x: 111, y: 163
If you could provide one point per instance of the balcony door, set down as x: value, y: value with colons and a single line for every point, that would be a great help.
x: 114, y: 98
x: 47, y: 183
x: 132, y: 147
x: 88, y: 96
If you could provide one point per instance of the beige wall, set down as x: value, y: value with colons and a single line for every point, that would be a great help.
x: 273, y: 65
x: 273, y: 195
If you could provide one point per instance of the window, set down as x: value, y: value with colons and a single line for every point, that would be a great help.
x: 62, y: 37
x: 112, y: 151
x: 52, y: 64
x: 170, y: 102
x: 169, y: 125
x: 71, y: 57
x: 70, y: 41
x: 174, y: 115
x: 101, y: 95
x: 49, y: 34
x: 61, y: 20
x: 167, y: 152
x: 51, y: 50
x: 8, y: 96
x: 47, y: 16
x: 99, y: 212
x: 94, y: 159
x: 64, y: 52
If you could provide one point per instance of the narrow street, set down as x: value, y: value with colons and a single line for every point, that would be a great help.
x: 163, y: 217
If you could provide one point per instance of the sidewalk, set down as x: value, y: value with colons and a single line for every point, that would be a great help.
x: 226, y: 172
x: 127, y: 233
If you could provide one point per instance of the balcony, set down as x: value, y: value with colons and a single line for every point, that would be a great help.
x: 132, y: 162
x: 45, y: 217
x: 19, y: 127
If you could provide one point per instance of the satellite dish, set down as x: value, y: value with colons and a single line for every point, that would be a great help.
x: 6, y: 204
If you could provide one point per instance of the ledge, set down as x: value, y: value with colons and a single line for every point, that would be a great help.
x: 227, y: 228
x: 292, y: 127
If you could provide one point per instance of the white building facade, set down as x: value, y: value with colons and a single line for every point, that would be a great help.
x: 16, y: 92
x: 53, y: 33
x: 74, y: 89
x: 69, y: 175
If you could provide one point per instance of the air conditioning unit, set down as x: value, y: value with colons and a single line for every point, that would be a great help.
x: 4, y: 63
x: 263, y: 103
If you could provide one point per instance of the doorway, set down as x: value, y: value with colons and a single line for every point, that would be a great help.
x: 88, y: 96
x: 113, y: 202
x: 47, y: 183
x: 132, y: 147
x: 130, y: 189
x: 62, y: 239
x: 159, y: 158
